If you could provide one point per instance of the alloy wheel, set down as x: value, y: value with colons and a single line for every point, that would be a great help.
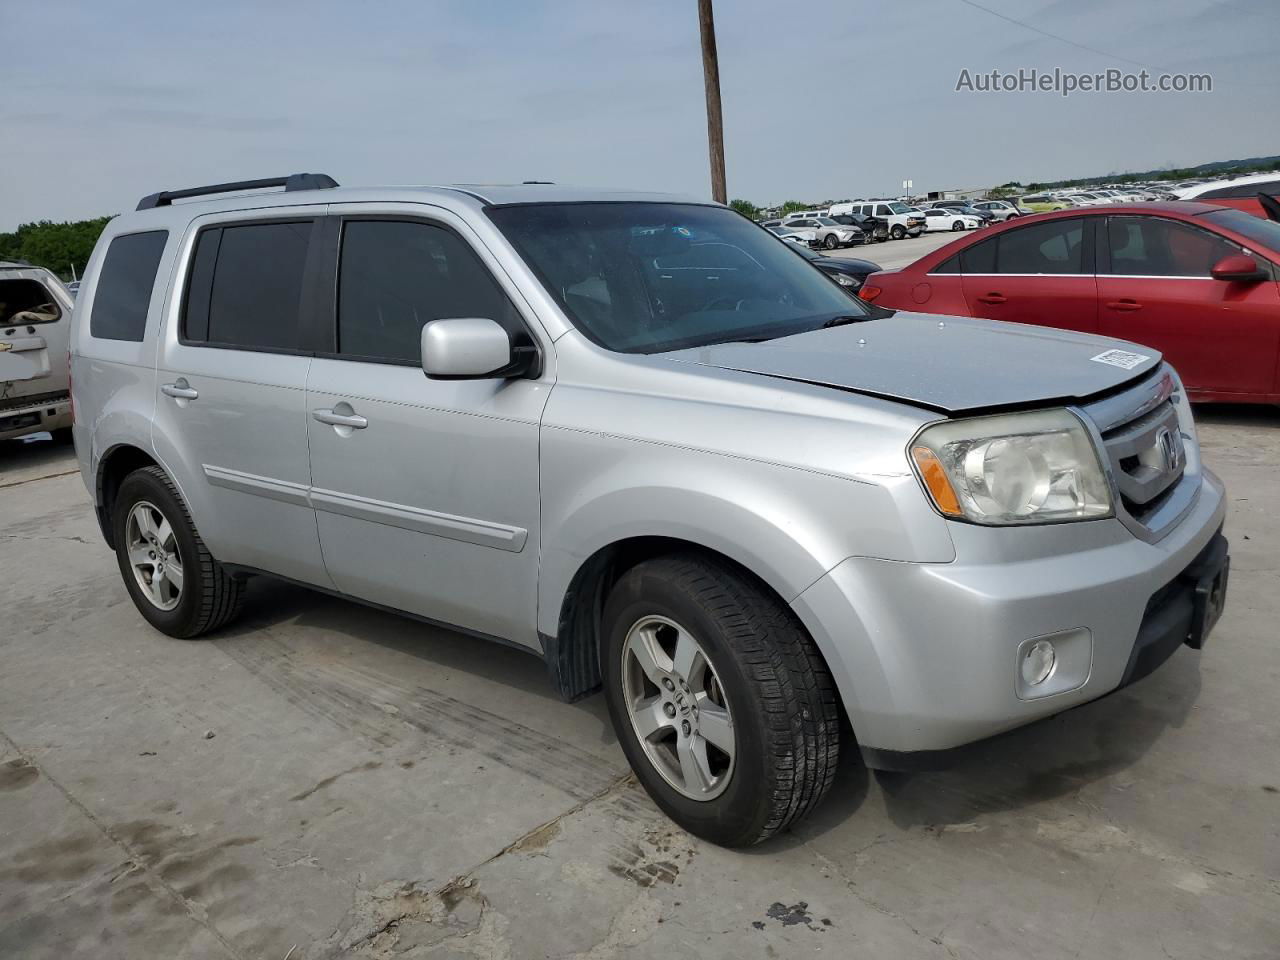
x: 154, y: 555
x: 678, y: 708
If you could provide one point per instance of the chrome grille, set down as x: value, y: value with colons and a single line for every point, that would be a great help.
x: 1154, y: 474
x: 1147, y: 458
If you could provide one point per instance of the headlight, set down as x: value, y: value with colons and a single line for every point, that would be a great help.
x: 843, y: 280
x: 1038, y: 467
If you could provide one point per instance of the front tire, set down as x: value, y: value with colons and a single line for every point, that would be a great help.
x: 831, y: 242
x: 958, y: 226
x: 898, y: 232
x: 173, y: 580
x: 720, y: 700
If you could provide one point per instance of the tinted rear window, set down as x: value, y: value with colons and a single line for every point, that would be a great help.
x: 125, y: 283
x: 246, y: 286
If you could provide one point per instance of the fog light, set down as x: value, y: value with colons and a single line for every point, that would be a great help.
x: 1038, y: 664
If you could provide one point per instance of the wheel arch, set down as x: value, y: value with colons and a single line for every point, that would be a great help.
x: 572, y: 651
x: 113, y: 466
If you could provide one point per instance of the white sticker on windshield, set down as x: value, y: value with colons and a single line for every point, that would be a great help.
x: 1121, y: 358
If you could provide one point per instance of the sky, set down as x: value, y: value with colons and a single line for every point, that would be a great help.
x: 108, y: 100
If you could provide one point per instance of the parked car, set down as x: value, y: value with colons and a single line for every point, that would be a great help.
x: 1087, y: 200
x: 984, y: 217
x: 1043, y: 203
x: 827, y: 232
x: 873, y: 229
x: 807, y: 237
x: 804, y: 215
x: 634, y: 436
x: 1194, y: 281
x: 35, y: 322
x: 901, y: 222
x: 1000, y: 210
x: 1240, y: 192
x: 847, y: 272
x: 944, y: 218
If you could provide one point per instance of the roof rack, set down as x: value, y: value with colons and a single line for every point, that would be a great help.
x: 295, y: 181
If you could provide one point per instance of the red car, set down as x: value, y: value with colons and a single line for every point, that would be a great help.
x: 1196, y: 281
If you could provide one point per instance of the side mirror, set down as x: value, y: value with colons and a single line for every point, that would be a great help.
x: 472, y: 348
x: 1239, y: 267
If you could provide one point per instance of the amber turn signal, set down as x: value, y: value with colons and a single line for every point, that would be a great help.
x: 935, y: 480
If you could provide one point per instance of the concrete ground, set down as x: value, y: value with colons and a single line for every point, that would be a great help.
x: 324, y: 780
x: 892, y: 254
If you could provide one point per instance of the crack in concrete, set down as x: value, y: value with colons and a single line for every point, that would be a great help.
x: 155, y: 883
x: 852, y: 887
x: 411, y: 902
x: 47, y: 476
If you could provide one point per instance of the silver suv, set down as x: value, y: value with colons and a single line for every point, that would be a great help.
x: 641, y: 439
x: 35, y: 325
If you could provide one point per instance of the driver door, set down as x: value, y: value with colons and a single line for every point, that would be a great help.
x: 426, y: 491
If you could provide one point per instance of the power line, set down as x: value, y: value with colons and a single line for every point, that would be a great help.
x: 1060, y: 39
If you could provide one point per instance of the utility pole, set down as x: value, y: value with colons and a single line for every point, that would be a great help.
x: 711, y: 80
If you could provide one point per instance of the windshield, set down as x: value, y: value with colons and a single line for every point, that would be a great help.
x: 1264, y: 232
x: 649, y: 277
x: 826, y: 221
x: 899, y: 208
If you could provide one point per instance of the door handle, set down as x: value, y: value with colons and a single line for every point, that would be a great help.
x: 180, y: 390
x: 354, y: 420
x: 1126, y: 305
x: 993, y: 298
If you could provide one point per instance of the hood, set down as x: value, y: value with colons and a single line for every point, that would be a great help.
x: 950, y: 364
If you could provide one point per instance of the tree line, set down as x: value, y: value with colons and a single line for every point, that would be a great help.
x: 63, y: 248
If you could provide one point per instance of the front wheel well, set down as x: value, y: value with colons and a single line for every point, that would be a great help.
x: 573, y: 654
x: 116, y: 464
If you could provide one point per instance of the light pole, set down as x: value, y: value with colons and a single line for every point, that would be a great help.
x: 711, y: 80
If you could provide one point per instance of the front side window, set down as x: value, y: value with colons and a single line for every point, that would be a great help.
x: 246, y: 286
x: 1048, y: 248
x: 394, y: 276
x: 649, y: 277
x: 1264, y: 232
x: 24, y: 301
x: 1157, y: 247
x: 123, y: 294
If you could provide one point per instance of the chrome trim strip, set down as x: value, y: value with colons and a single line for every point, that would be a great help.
x: 468, y: 530
x: 272, y: 489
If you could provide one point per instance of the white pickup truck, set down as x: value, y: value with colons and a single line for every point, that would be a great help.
x: 35, y: 322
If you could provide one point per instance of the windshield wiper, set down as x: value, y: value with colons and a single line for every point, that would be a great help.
x: 841, y: 321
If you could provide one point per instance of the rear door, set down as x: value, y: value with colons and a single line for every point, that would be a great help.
x: 35, y: 323
x: 1155, y: 287
x: 426, y: 491
x: 231, y: 420
x: 1041, y: 273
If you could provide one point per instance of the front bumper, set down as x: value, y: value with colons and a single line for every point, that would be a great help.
x: 926, y: 655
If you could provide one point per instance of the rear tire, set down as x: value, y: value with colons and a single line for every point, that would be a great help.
x: 753, y: 669
x: 173, y: 580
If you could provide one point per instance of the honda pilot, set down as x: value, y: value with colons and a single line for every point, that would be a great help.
x: 636, y: 436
